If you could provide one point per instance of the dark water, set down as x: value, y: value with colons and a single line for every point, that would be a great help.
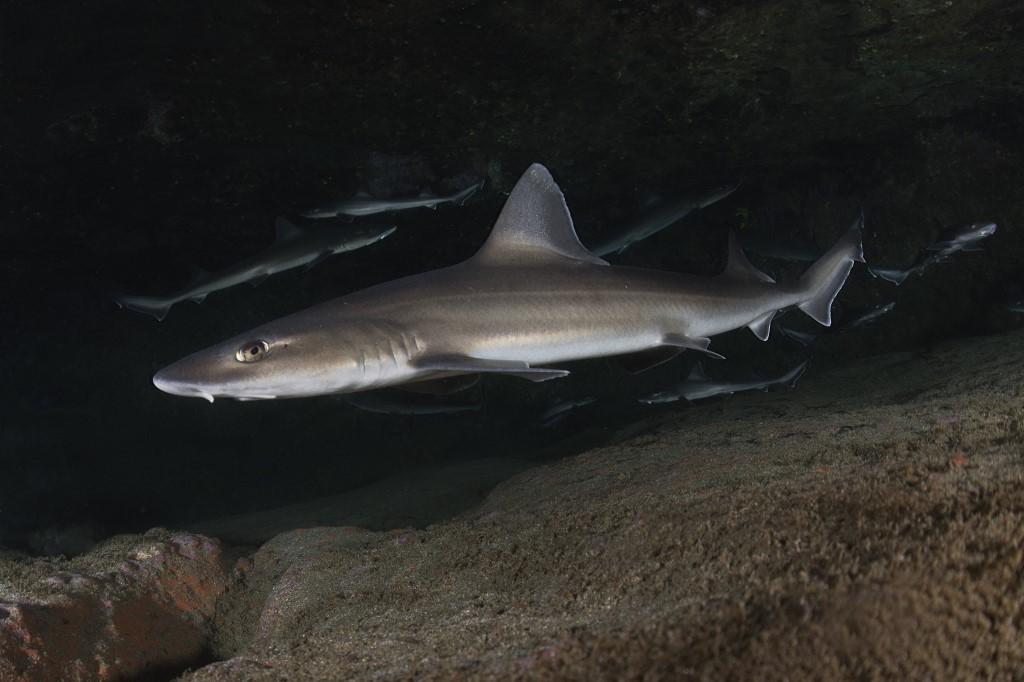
x: 140, y: 141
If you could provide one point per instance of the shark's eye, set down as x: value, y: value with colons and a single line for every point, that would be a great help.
x: 253, y: 351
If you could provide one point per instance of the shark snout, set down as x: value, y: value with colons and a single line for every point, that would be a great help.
x: 171, y: 380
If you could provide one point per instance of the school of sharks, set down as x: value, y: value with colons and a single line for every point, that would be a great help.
x: 532, y: 297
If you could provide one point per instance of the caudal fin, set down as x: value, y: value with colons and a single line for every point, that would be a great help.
x: 157, y: 307
x: 826, y: 277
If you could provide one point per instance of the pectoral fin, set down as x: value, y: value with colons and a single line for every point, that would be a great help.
x: 466, y: 365
x: 444, y: 386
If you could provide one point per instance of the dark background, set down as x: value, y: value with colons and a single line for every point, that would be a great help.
x: 140, y: 140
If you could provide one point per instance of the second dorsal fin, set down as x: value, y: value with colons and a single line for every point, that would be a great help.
x: 534, y: 224
x: 739, y: 267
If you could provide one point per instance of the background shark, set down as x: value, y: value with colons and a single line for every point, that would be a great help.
x: 293, y: 248
x: 698, y: 386
x: 963, y: 239
x: 657, y: 217
x: 363, y: 204
x: 530, y: 297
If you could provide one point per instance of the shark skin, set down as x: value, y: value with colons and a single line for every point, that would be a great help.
x: 658, y: 217
x: 699, y: 387
x: 530, y: 297
x: 294, y: 247
x: 363, y: 205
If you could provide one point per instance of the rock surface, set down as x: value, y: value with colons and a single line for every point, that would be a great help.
x: 867, y: 524
x: 134, y: 606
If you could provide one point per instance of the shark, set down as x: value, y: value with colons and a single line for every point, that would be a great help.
x: 294, y: 247
x: 698, y: 386
x: 964, y: 239
x: 363, y: 204
x: 531, y: 297
x: 560, y: 410
x: 657, y: 217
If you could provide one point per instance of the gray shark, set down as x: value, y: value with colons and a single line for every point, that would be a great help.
x: 858, y: 318
x: 657, y: 217
x: 363, y: 204
x: 293, y: 248
x: 964, y: 239
x: 557, y: 412
x: 530, y: 297
x: 698, y: 386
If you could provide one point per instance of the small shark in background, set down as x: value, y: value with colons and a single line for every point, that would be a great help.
x: 363, y: 204
x: 531, y: 296
x: 858, y: 318
x: 657, y: 217
x: 963, y: 239
x: 698, y: 386
x: 557, y: 412
x: 854, y: 318
x: 401, y: 402
x: 294, y: 247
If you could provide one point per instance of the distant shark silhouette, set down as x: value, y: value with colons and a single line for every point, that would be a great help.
x: 293, y: 248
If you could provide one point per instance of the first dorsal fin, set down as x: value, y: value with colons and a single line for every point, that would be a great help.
x: 534, y: 224
x: 286, y: 229
x: 739, y: 267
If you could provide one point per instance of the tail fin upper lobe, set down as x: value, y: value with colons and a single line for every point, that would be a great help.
x: 826, y: 277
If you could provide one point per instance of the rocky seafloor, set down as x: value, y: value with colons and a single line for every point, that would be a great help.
x: 869, y: 523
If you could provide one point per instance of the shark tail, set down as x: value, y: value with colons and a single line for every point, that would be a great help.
x: 826, y: 277
x: 157, y: 307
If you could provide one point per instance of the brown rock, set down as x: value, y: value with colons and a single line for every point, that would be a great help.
x: 131, y: 606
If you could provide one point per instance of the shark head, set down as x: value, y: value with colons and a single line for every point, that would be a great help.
x: 289, y: 358
x: 976, y: 231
